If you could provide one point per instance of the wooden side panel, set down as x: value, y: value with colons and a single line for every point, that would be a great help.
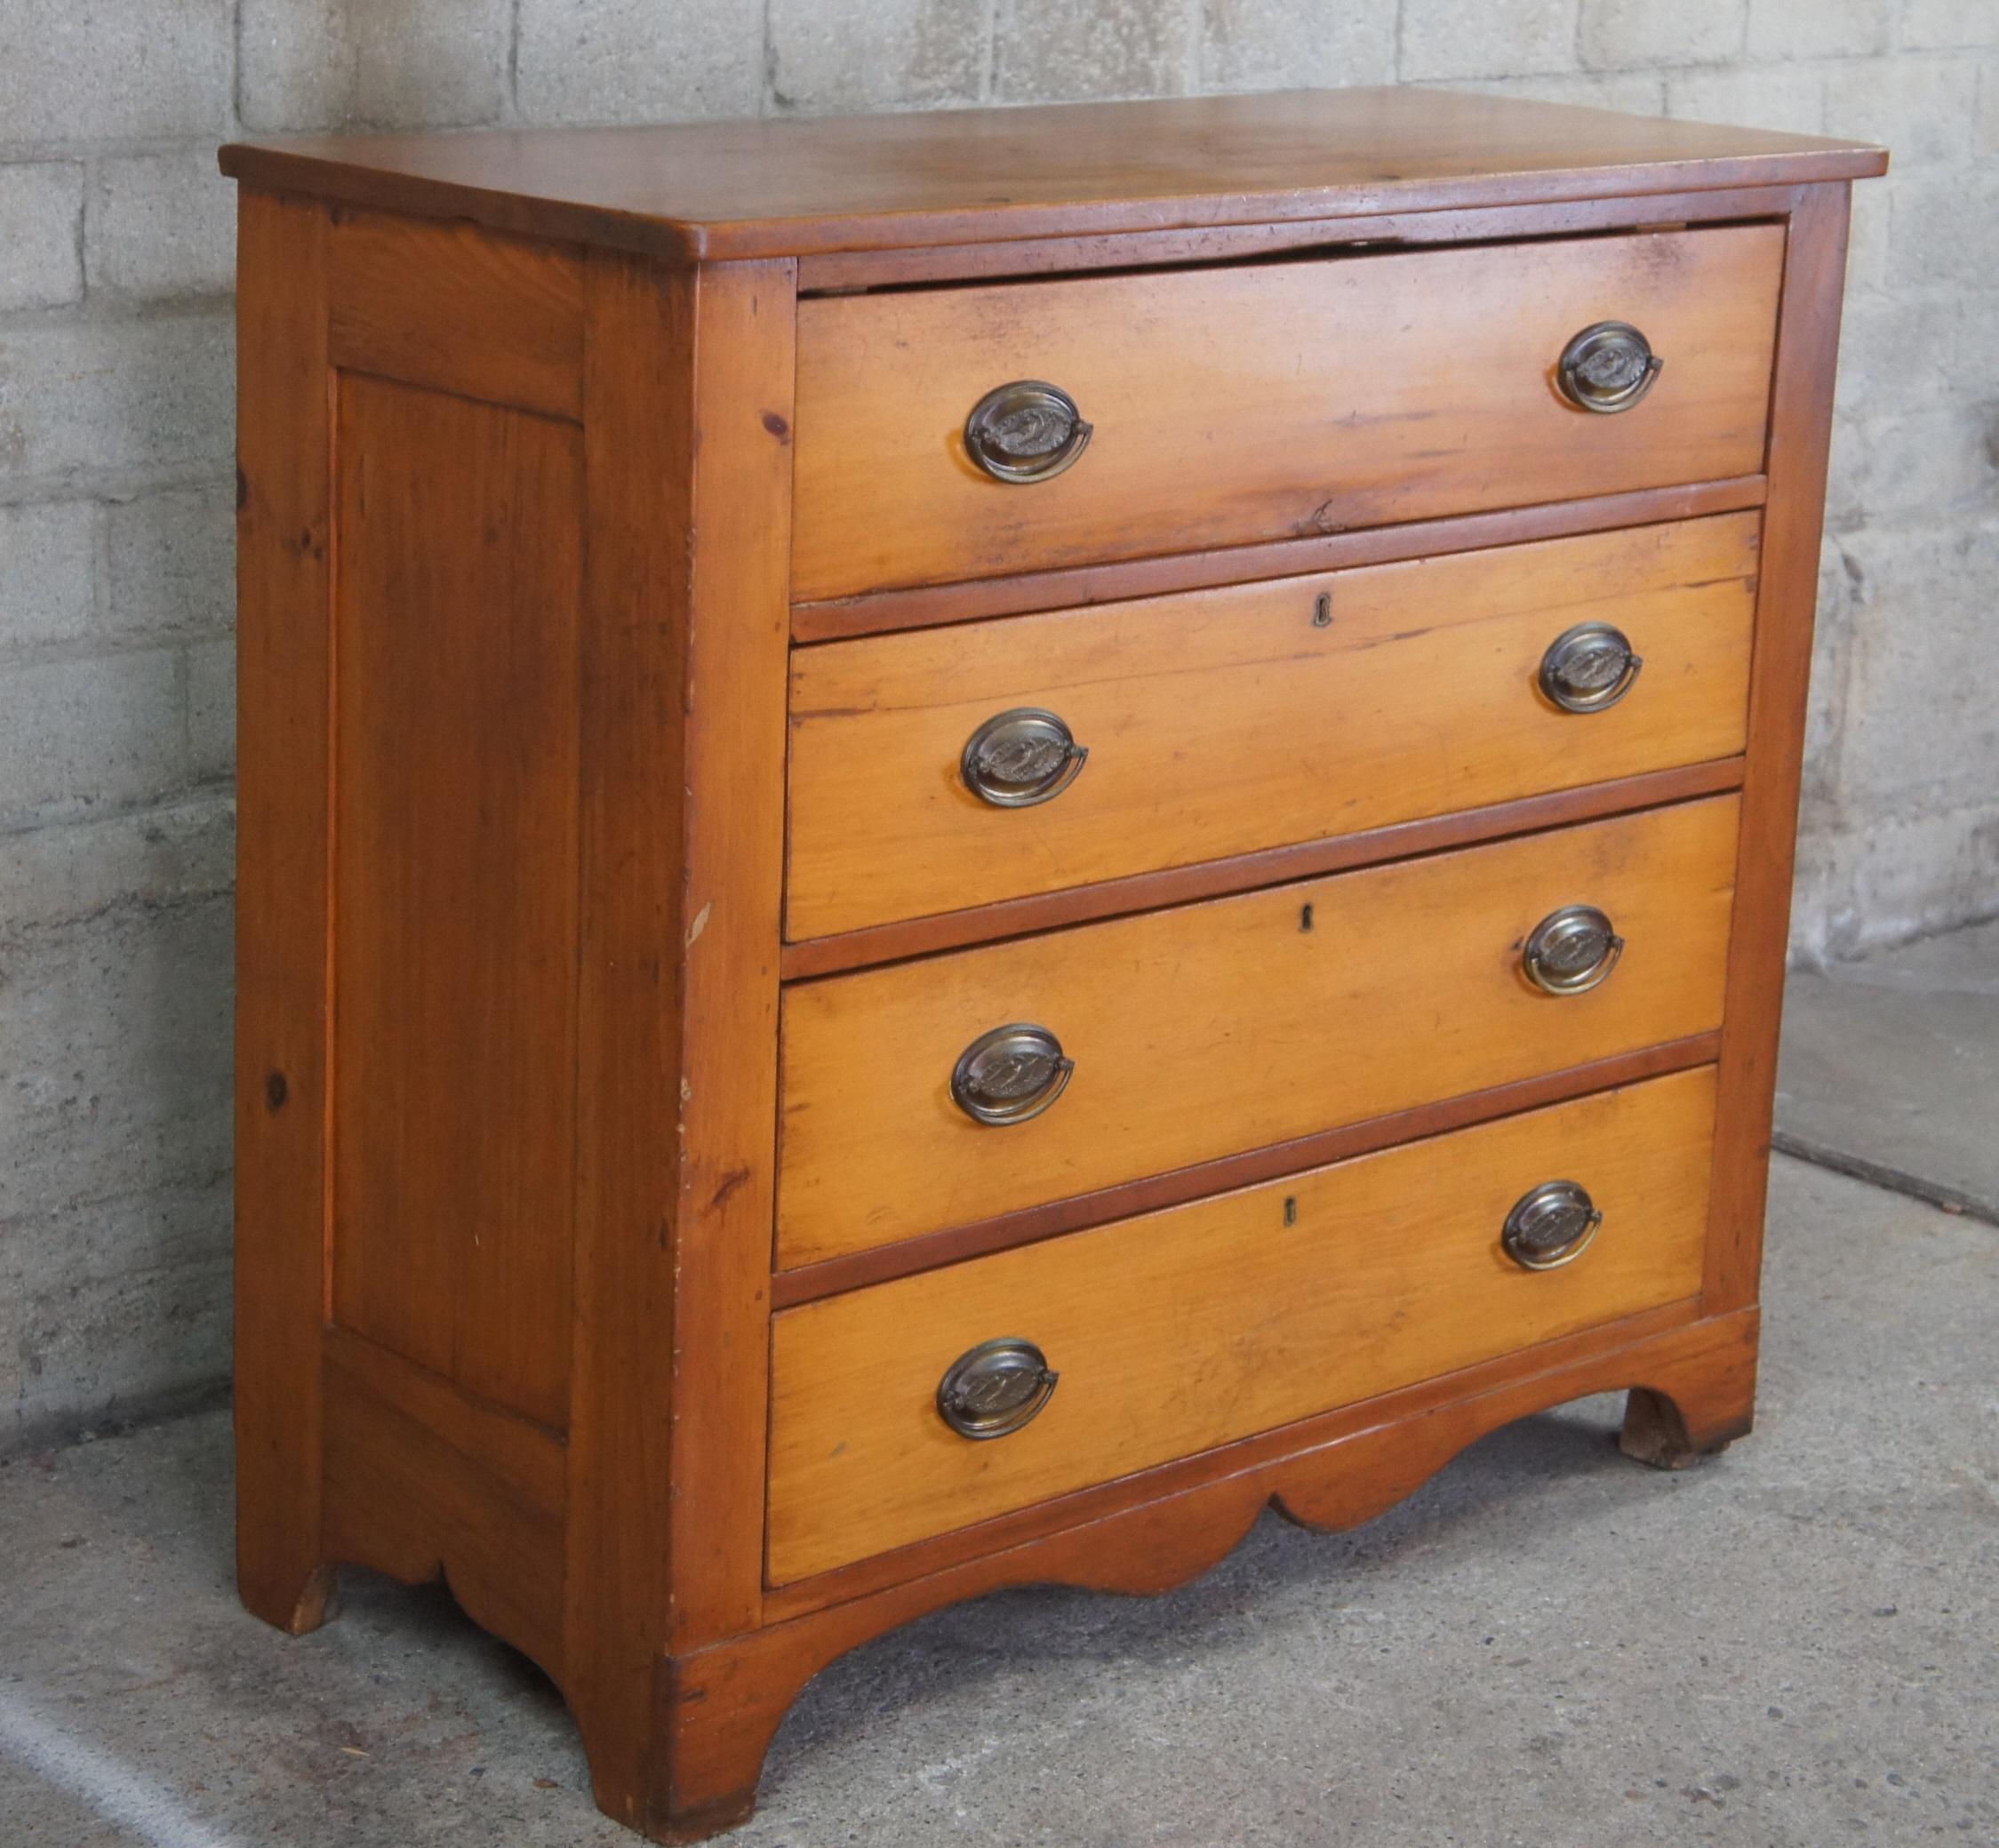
x: 1800, y: 437
x: 1227, y: 1025
x: 459, y: 308
x: 1268, y: 402
x: 687, y: 435
x: 283, y: 655
x: 1194, y: 1327
x: 455, y: 861
x: 425, y: 1481
x: 1227, y: 722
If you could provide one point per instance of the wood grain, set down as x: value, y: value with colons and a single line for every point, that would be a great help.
x: 284, y: 700
x: 1267, y: 401
x: 733, y: 855
x: 1226, y: 721
x: 453, y: 1110
x: 1230, y: 1025
x: 974, y: 1238
x: 842, y: 272
x: 1801, y: 433
x: 1151, y: 1531
x: 426, y: 1481
x: 638, y: 466
x: 883, y: 611
x: 688, y: 388
x: 1405, y: 1419
x: 1185, y: 1330
x: 1180, y: 885
x: 732, y: 189
x: 1336, y: 1471
x: 495, y: 318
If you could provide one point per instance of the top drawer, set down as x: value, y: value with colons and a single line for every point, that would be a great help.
x: 1267, y: 401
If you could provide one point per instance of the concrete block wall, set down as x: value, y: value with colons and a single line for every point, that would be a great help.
x: 116, y: 692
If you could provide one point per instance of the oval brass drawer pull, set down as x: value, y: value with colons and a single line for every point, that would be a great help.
x: 1010, y: 1074
x: 1607, y: 367
x: 1017, y: 758
x: 1589, y: 668
x: 1551, y: 1226
x: 1571, y: 950
x: 996, y: 1388
x: 1026, y: 431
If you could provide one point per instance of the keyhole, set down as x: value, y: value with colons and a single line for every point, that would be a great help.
x: 1291, y: 1209
x: 1322, y: 611
x: 1305, y: 918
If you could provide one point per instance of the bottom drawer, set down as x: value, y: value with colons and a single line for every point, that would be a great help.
x: 1177, y: 1331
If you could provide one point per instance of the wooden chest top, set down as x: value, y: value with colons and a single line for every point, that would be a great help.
x: 793, y: 187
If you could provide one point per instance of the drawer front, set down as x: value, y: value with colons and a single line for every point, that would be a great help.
x: 1216, y: 1028
x: 1225, y: 721
x: 1268, y: 401
x: 1178, y: 1331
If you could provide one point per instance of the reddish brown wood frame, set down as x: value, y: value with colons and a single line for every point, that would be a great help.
x: 598, y: 1501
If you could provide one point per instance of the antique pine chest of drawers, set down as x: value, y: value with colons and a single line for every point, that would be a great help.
x: 969, y: 842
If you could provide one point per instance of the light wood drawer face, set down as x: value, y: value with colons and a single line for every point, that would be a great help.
x: 1267, y: 401
x: 1182, y: 1329
x: 1211, y: 1028
x: 1225, y: 721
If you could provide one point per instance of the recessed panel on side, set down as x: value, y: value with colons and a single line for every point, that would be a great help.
x: 457, y: 567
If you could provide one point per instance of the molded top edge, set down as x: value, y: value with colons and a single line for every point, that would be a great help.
x: 799, y: 187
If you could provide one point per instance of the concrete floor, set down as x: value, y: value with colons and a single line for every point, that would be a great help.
x: 1794, y: 1644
